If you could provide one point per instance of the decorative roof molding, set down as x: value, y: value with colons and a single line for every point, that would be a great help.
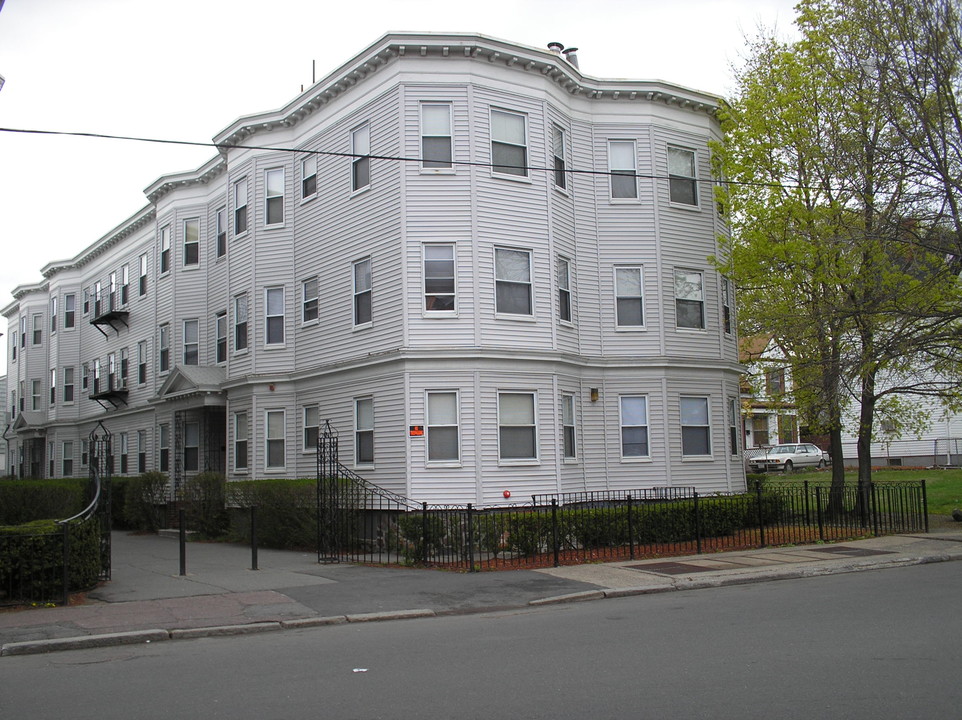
x: 207, y: 172
x: 480, y: 47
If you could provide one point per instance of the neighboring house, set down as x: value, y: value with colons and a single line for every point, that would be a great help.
x: 5, y: 468
x: 768, y: 409
x: 486, y: 270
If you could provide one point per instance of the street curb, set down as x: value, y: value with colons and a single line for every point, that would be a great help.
x: 216, y: 630
x: 390, y: 615
x: 582, y: 596
x: 33, y: 647
x: 313, y: 622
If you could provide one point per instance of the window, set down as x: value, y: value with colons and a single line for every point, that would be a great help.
x: 124, y: 283
x: 558, y: 153
x: 164, y: 250
x: 312, y: 422
x: 53, y: 315
x: 220, y: 337
x: 142, y: 283
x: 442, y: 421
x: 308, y: 176
x: 361, y: 166
x: 621, y: 165
x: 191, y: 446
x: 512, y: 270
x: 274, y: 197
x: 37, y: 329
x: 164, y: 447
x: 142, y: 362
x: 240, y: 206
x: 695, y: 430
x: 53, y: 386
x: 775, y: 381
x: 439, y: 282
x: 728, y: 306
x: 164, y: 345
x: 309, y: 300
x: 68, y: 385
x: 362, y: 292
x: 191, y: 242
x: 50, y: 454
x: 36, y: 387
x: 96, y: 381
x: 123, y: 453
x: 84, y: 453
x: 86, y: 306
x: 634, y: 426
x: 220, y: 229
x: 141, y: 451
x: 124, y: 367
x: 191, y: 343
x: 509, y: 145
x: 435, y: 135
x: 629, y: 297
x: 517, y: 427
x: 275, y: 450
x: 364, y: 431
x: 240, y: 323
x: 682, y: 182
x: 689, y: 300
x: 733, y: 417
x: 274, y: 316
x: 111, y: 299
x: 564, y: 289
x: 111, y: 372
x: 568, y: 426
x: 66, y: 455
x: 240, y: 441
x: 69, y: 311
x: 84, y: 377
x: 23, y: 331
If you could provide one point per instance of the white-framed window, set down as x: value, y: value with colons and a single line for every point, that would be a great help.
x: 629, y: 297
x: 309, y: 300
x: 689, y: 299
x: 36, y: 388
x: 53, y: 386
x: 734, y: 416
x: 142, y: 282
x: 439, y: 278
x: 633, y: 413
x: 53, y: 315
x: 164, y: 253
x: 568, y: 428
x: 69, y: 311
x: 564, y: 289
x: 435, y: 136
x: 362, y: 292
x: 240, y: 441
x: 509, y: 143
x: 517, y: 426
x: 275, y: 450
x: 622, y: 166
x: 240, y: 323
x: 728, y: 306
x: 558, y: 155
x: 274, y: 316
x: 84, y: 453
x: 191, y: 342
x: 695, y: 426
x: 312, y: 424
x: 141, y: 451
x: 274, y: 196
x: 220, y: 232
x: 364, y: 431
x: 124, y: 448
x: 66, y: 457
x: 240, y: 206
x: 682, y: 176
x: 85, y: 377
x: 111, y: 372
x: 309, y: 176
x: 191, y: 242
x: 191, y: 446
x: 124, y: 366
x: 444, y: 443
x: 38, y: 329
x: 220, y: 337
x: 164, y: 447
x: 141, y: 362
x: 361, y: 164
x: 68, y: 385
x: 124, y: 283
x: 164, y: 347
x: 512, y: 274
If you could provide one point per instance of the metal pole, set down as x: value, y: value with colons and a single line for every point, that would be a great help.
x: 424, y: 532
x: 925, y: 506
x: 631, y: 531
x: 761, y: 516
x: 253, y: 537
x: 554, y: 530
x: 183, y: 542
x: 66, y: 564
x: 471, y: 567
x: 818, y: 512
x: 697, y: 524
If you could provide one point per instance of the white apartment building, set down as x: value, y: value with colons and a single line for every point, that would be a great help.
x: 488, y: 270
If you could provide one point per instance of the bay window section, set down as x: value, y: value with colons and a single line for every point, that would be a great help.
x: 682, y: 179
x: 362, y: 292
x: 634, y: 426
x: 435, y: 136
x: 695, y: 427
x: 274, y: 316
x: 509, y: 144
x: 443, y: 431
x: 689, y: 299
x: 517, y: 426
x: 439, y: 278
x: 191, y: 242
x: 361, y: 164
x: 569, y: 449
x: 274, y: 197
x: 629, y: 297
x: 240, y: 441
x: 364, y: 431
x: 621, y: 166
x: 275, y: 452
x: 512, y: 270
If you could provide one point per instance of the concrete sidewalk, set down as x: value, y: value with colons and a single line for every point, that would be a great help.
x: 147, y: 599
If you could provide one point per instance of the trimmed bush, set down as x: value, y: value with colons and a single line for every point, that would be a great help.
x: 205, y: 503
x: 144, y: 499
x: 286, y: 512
x: 23, y: 501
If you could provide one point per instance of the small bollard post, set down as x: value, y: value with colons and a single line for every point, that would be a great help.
x: 183, y: 542
x: 253, y: 537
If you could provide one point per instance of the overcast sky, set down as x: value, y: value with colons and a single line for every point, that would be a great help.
x: 185, y: 69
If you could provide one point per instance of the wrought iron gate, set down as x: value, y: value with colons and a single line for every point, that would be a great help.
x: 101, y: 466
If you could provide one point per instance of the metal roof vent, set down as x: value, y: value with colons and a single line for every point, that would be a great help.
x: 571, y: 56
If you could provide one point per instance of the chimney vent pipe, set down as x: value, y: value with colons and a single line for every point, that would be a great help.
x: 571, y: 55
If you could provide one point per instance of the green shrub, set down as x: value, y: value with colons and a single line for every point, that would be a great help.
x: 144, y: 504
x: 205, y: 504
x: 286, y: 512
x: 23, y: 501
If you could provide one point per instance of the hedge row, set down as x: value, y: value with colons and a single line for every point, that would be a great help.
x: 23, y: 501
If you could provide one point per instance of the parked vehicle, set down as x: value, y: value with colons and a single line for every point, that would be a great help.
x: 789, y: 457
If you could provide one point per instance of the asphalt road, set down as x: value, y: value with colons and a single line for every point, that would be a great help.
x: 881, y: 644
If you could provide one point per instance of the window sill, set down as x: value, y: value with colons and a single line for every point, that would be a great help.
x: 519, y: 462
x: 362, y: 326
x: 439, y: 314
x: 437, y: 171
x: 624, y: 201
x: 443, y: 464
x: 566, y: 324
x: 684, y: 206
x: 310, y: 323
x: 636, y: 460
x: 306, y: 200
x: 631, y: 328
x: 691, y: 330
x: 515, y: 318
x: 274, y: 226
x: 364, y: 467
x: 275, y: 470
x: 697, y: 458
x: 245, y: 351
x: 274, y: 346
x: 525, y: 179
x: 241, y: 235
x: 359, y: 191
x: 561, y: 190
x: 570, y: 461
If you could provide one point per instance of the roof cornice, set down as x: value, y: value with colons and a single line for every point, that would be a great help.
x: 207, y: 172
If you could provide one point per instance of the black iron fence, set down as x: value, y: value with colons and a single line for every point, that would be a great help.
x: 358, y: 522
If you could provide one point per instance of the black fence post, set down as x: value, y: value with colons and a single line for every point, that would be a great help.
x: 925, y: 506
x: 66, y: 563
x: 631, y: 530
x: 697, y: 523
x: 808, y: 512
x: 554, y: 530
x: 818, y: 512
x: 424, y: 533
x: 470, y: 515
x: 253, y: 537
x: 761, y: 516
x: 874, y: 509
x: 182, y: 539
